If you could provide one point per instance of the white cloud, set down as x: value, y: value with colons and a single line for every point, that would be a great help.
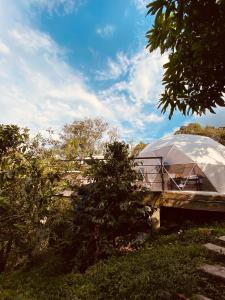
x: 134, y: 98
x: 140, y: 4
x: 30, y: 40
x: 40, y: 90
x: 135, y: 114
x: 106, y: 31
x: 61, y: 7
x: 217, y: 119
x: 4, y: 49
x: 115, y: 68
x: 145, y: 70
x: 153, y: 118
x: 145, y: 76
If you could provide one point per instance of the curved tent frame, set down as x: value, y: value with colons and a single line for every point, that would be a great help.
x: 199, y: 158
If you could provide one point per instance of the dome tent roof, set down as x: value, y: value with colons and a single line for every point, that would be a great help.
x: 198, y: 148
x: 180, y: 149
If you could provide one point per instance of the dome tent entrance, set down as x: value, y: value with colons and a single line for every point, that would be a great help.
x: 188, y: 162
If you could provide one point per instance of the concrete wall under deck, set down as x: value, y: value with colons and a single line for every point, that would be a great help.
x: 202, y: 201
x: 209, y: 201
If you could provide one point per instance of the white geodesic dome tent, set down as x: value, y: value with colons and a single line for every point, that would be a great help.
x: 183, y: 162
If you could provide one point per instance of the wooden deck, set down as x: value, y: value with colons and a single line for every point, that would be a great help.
x: 196, y: 200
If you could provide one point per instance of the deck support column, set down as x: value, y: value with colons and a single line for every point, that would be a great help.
x: 156, y: 219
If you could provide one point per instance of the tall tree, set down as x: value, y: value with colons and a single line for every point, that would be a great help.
x: 192, y: 32
x: 27, y: 187
x: 83, y: 138
x: 111, y: 206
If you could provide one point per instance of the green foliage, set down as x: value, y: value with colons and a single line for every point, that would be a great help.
x: 82, y: 138
x: 166, y: 267
x: 216, y: 133
x: 102, y: 220
x: 27, y: 186
x: 11, y: 137
x: 33, y: 220
x: 193, y: 34
x: 79, y: 140
x: 110, y: 209
x: 138, y: 148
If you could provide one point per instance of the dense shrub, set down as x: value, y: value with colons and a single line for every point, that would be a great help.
x: 27, y: 187
x: 166, y: 269
x: 110, y: 211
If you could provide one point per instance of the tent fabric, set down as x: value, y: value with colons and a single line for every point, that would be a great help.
x: 187, y: 157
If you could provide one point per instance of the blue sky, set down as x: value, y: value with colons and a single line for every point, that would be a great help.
x: 64, y: 60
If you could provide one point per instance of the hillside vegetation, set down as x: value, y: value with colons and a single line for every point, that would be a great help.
x: 215, y: 133
x: 165, y: 269
x: 100, y: 242
x: 104, y: 215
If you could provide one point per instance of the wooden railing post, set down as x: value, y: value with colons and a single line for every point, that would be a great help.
x: 162, y: 177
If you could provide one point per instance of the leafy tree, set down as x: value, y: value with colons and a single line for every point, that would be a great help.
x: 27, y: 186
x: 11, y: 138
x: 138, y: 148
x: 82, y: 138
x: 193, y: 33
x: 78, y: 140
x: 111, y: 206
x: 216, y: 133
x: 112, y: 135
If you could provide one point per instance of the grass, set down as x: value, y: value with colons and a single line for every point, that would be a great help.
x: 165, y: 268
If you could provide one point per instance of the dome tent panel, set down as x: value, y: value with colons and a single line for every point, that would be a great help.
x: 151, y: 166
x: 199, y: 148
x: 188, y: 177
x: 216, y: 175
x: 163, y: 152
x: 176, y: 156
x: 149, y: 170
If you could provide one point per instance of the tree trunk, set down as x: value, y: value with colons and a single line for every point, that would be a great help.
x: 5, y: 255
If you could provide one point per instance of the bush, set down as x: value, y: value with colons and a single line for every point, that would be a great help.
x: 110, y: 211
x: 27, y: 187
